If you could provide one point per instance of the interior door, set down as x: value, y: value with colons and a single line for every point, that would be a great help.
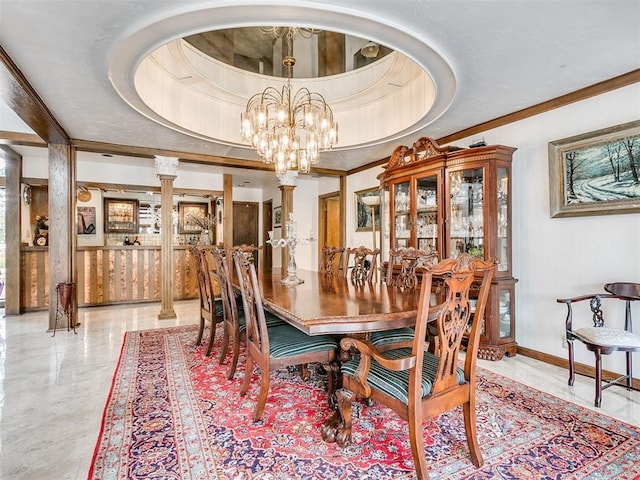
x: 245, y: 224
x: 330, y: 223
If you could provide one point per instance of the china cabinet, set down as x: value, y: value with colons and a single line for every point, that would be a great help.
x: 452, y: 200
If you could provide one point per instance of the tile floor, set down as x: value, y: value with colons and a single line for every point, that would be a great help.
x: 53, y: 389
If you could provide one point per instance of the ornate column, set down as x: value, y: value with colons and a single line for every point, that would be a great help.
x: 287, y: 184
x: 166, y: 167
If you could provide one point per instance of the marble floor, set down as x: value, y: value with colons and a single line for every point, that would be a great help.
x: 53, y: 389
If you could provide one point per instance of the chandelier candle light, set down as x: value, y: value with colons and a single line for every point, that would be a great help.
x: 289, y: 129
x: 291, y: 242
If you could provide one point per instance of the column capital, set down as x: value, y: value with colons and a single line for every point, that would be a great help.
x: 288, y: 177
x: 166, y: 165
x: 163, y: 177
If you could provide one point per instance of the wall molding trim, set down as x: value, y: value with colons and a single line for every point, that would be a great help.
x: 581, y: 368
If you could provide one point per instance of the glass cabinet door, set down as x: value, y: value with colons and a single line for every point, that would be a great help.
x: 427, y: 214
x: 504, y: 229
x: 385, y: 227
x: 401, y: 215
x: 466, y: 213
x: 504, y: 313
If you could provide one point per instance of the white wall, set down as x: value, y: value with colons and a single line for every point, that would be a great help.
x: 554, y: 257
x: 564, y: 257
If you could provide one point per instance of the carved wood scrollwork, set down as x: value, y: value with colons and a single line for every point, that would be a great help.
x: 422, y: 148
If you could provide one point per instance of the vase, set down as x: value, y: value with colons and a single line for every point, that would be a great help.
x: 204, y: 238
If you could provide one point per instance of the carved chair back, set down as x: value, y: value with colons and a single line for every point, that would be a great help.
x: 205, y: 294
x: 365, y: 262
x: 403, y: 264
x: 332, y: 260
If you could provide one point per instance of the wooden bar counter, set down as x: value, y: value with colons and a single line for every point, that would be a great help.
x: 108, y: 275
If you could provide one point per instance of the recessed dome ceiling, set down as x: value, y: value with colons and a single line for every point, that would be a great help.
x: 182, y: 84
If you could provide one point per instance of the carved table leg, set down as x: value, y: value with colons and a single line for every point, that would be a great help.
x: 334, y: 381
x: 338, y: 427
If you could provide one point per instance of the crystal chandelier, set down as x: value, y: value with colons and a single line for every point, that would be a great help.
x: 287, y: 129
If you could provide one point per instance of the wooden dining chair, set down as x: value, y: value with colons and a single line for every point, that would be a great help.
x: 271, y: 348
x: 234, y: 325
x: 413, y: 382
x: 233, y: 313
x: 403, y: 271
x: 210, y: 309
x: 333, y: 260
x: 365, y: 262
x: 601, y: 339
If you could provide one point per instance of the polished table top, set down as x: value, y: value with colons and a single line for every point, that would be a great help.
x: 334, y: 305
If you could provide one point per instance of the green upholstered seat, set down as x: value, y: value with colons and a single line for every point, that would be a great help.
x: 270, y: 319
x: 396, y: 384
x: 287, y: 341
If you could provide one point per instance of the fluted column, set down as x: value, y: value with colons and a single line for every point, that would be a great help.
x: 166, y: 167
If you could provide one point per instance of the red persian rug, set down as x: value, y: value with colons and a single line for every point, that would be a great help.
x: 172, y: 414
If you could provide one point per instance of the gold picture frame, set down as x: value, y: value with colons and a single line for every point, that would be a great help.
x: 596, y: 173
x: 191, y: 217
x: 120, y: 216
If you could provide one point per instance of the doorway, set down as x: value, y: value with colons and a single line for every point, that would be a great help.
x: 245, y: 224
x: 330, y: 230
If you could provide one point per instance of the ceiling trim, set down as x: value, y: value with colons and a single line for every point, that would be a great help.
x: 19, y: 138
x: 198, y: 158
x: 599, y: 88
x: 20, y: 96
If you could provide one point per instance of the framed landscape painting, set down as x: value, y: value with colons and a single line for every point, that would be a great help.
x: 597, y: 173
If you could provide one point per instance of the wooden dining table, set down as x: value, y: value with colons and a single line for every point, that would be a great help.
x: 326, y: 304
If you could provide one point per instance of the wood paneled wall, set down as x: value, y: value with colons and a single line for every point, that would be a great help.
x: 108, y: 275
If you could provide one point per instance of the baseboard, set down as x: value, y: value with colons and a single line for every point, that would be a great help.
x: 581, y: 368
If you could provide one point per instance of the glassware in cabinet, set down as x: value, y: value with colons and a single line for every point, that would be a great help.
x: 427, y: 214
x: 503, y: 215
x: 402, y: 215
x: 466, y: 212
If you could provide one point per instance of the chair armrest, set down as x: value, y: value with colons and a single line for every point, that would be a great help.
x: 582, y: 298
x: 369, y: 351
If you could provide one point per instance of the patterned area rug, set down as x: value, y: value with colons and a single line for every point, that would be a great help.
x: 172, y: 414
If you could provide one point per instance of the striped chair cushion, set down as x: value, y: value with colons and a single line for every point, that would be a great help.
x: 270, y: 319
x: 396, y: 384
x: 391, y: 336
x: 286, y: 341
x: 219, y: 309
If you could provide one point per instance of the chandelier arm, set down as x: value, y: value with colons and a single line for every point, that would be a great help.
x: 268, y: 95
